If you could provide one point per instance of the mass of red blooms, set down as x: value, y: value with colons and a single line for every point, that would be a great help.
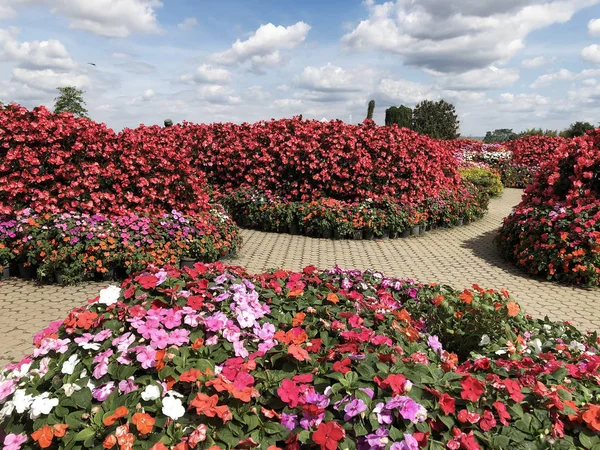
x: 555, y: 230
x: 533, y: 150
x: 57, y: 162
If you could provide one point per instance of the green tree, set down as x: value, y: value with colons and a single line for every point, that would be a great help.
x: 371, y: 110
x: 70, y: 99
x: 402, y: 116
x: 577, y: 129
x: 537, y: 132
x: 436, y: 119
x: 499, y: 135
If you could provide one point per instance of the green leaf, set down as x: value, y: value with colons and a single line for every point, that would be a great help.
x: 84, y: 434
x: 82, y: 398
x: 252, y: 421
x: 273, y: 428
x: 588, y: 439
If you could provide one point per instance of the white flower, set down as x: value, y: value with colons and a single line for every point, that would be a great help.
x: 69, y: 365
x: 536, y: 344
x: 22, y: 401
x: 172, y: 406
x: 109, y: 295
x: 71, y: 388
x: 576, y: 346
x: 42, y: 404
x: 485, y: 340
x: 90, y: 346
x: 152, y: 392
x: 6, y: 410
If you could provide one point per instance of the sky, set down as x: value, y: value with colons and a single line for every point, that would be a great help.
x: 503, y: 64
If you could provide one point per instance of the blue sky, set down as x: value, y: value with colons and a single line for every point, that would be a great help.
x: 515, y: 63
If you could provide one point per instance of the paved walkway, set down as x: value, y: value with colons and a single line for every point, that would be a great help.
x: 458, y: 257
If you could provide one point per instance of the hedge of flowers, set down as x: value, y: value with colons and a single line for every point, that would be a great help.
x: 210, y: 357
x: 555, y: 230
x: 327, y: 217
x: 73, y: 247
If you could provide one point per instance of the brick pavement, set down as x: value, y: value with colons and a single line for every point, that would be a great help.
x: 458, y: 257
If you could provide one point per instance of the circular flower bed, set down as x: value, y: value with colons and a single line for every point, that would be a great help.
x: 327, y: 217
x: 74, y: 247
x: 555, y: 230
x: 210, y: 357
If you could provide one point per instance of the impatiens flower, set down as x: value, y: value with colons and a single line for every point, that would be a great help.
x: 146, y: 356
x: 379, y: 439
x: 502, y: 413
x: 592, y: 417
x: 447, y: 403
x: 198, y: 435
x: 409, y: 443
x: 43, y: 436
x: 128, y: 385
x: 151, y: 392
x: 488, y: 421
x: 435, y: 344
x: 472, y: 389
x: 70, y: 388
x: 384, y: 415
x: 288, y: 392
x: 7, y: 387
x: 328, y: 435
x: 109, y: 295
x: 22, y: 401
x: 102, y: 392
x: 290, y: 421
x: 172, y: 406
x: 14, y: 441
x: 42, y: 405
x: 69, y: 365
x: 354, y: 408
x: 143, y: 422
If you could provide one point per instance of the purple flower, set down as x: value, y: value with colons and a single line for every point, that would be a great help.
x: 409, y: 443
x: 384, y: 415
x: 354, y: 408
x: 408, y: 408
x: 102, y: 392
x: 290, y: 421
x: 127, y: 386
x: 435, y: 344
x: 379, y: 439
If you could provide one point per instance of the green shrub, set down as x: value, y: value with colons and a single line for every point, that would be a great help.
x: 486, y: 179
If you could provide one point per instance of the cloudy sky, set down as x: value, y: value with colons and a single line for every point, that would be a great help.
x: 509, y: 63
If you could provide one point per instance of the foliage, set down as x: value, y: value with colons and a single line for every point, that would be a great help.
x: 81, y: 246
x: 537, y: 132
x: 371, y: 109
x: 577, y: 129
x: 555, y: 230
x: 486, y: 179
x: 401, y: 116
x: 211, y: 357
x: 70, y: 99
x: 437, y: 120
x: 499, y: 136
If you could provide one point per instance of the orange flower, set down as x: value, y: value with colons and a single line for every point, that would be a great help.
x: 298, y: 352
x: 298, y: 319
x: 109, y: 442
x: 437, y: 301
x: 513, y: 309
x: 43, y: 436
x: 466, y: 297
x: 331, y: 297
x: 592, y: 417
x: 60, y: 429
x: 159, y: 446
x: 144, y: 422
x: 120, y: 412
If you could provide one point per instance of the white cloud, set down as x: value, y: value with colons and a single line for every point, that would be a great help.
x: 456, y: 36
x: 521, y: 102
x: 591, y: 54
x: 48, y: 79
x: 479, y: 79
x: 213, y: 93
x: 288, y: 103
x: 589, y: 82
x: 594, y: 27
x: 41, y: 54
x: 405, y: 92
x: 536, y: 62
x: 549, y: 78
x: 332, y: 78
x: 262, y: 48
x: 187, y: 24
x: 207, y: 74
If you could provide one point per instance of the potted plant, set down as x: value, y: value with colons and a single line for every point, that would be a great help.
x: 5, y: 258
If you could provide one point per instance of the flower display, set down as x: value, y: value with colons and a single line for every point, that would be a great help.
x: 211, y: 357
x: 555, y: 230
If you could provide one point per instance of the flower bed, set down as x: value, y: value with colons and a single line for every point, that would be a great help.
x: 555, y: 230
x: 74, y: 247
x: 326, y: 217
x: 211, y: 357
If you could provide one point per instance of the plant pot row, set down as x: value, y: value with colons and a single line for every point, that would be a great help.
x: 416, y: 230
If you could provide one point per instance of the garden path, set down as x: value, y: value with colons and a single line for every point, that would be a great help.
x: 458, y: 257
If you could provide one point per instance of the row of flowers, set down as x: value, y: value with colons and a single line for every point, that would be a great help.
x: 74, y: 247
x: 327, y: 218
x: 210, y: 357
x: 555, y: 230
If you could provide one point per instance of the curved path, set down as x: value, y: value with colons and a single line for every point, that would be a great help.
x: 458, y: 257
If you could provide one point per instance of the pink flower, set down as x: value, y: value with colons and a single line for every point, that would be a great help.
x: 7, y: 388
x: 14, y: 441
x: 147, y: 356
x: 159, y: 339
x: 127, y: 386
x: 102, y: 392
x: 179, y: 337
x: 172, y: 319
x: 216, y: 322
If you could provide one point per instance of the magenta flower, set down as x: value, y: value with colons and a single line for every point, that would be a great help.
x: 102, y: 392
x: 290, y: 421
x: 409, y: 443
x: 14, y: 441
x: 354, y: 408
x: 147, y: 356
x: 159, y: 339
x: 127, y: 386
x: 179, y: 337
x: 7, y: 387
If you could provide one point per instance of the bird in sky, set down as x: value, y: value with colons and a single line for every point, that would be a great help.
x: 92, y: 64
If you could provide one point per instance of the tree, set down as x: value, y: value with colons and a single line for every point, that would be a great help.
x: 402, y: 116
x: 436, y: 119
x: 70, y: 99
x: 499, y: 135
x: 371, y: 109
x: 577, y: 129
x: 537, y: 132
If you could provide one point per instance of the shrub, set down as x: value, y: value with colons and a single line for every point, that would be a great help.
x: 555, y: 230
x: 534, y: 150
x: 486, y: 179
x: 211, y: 357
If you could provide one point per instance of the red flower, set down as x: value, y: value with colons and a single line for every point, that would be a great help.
x: 502, y: 413
x: 465, y: 416
x: 472, y: 389
x: 289, y: 392
x: 487, y: 421
x: 448, y: 404
x: 328, y: 435
x: 513, y: 387
x: 592, y: 417
x: 147, y: 281
x: 342, y: 366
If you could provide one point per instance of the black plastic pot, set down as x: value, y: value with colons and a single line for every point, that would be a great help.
x: 187, y: 262
x: 5, y: 273
x: 59, y: 277
x: 337, y: 234
x: 423, y: 229
x: 368, y: 234
x: 393, y: 234
x: 26, y: 273
x: 406, y: 233
x: 327, y: 233
x: 385, y: 235
x: 294, y: 229
x: 357, y: 235
x: 415, y: 231
x: 461, y: 222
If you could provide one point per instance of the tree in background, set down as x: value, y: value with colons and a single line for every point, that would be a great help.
x: 537, y: 132
x: 402, y: 116
x: 436, y: 119
x: 499, y: 135
x: 70, y: 99
x: 371, y: 110
x: 577, y: 129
